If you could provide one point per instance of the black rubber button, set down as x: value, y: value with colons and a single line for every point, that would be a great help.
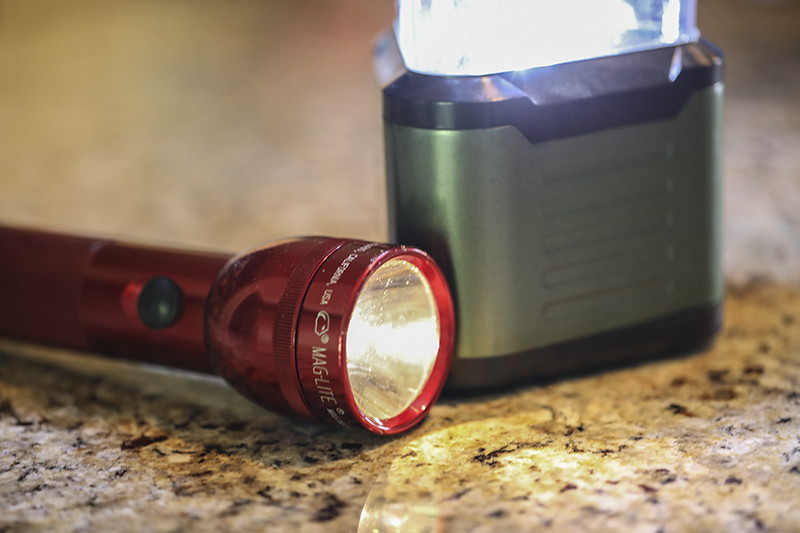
x: 159, y: 304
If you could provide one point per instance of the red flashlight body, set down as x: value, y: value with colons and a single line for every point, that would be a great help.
x: 81, y: 293
x: 271, y: 321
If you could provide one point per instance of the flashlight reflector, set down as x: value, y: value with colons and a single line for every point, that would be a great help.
x: 392, y: 340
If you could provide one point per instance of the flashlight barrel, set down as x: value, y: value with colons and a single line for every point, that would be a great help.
x: 136, y: 302
x: 40, y: 283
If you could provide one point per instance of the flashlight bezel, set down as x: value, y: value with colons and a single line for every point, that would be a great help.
x: 365, y: 259
x: 446, y: 322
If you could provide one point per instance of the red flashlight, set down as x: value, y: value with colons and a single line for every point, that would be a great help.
x: 338, y: 331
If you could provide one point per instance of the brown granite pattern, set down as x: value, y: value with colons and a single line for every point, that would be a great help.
x: 702, y: 443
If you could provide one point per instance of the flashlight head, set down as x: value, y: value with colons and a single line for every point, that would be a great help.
x: 344, y: 332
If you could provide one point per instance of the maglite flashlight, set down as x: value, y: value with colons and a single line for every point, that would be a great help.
x: 560, y: 159
x: 339, y: 331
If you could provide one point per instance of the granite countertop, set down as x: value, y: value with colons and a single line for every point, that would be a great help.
x: 710, y: 441
x: 222, y: 125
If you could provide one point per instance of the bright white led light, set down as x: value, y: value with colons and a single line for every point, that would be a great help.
x: 392, y: 340
x: 477, y: 37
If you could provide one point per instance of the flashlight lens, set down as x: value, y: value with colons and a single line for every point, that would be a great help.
x: 392, y: 340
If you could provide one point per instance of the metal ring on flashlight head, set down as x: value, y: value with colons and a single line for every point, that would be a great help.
x: 421, y: 337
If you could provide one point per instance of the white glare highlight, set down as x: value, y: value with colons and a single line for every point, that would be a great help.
x: 392, y: 340
x: 477, y: 37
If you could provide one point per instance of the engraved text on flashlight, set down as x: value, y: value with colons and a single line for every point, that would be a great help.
x: 320, y: 369
x: 346, y: 263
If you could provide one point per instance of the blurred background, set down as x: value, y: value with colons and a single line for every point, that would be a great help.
x: 225, y: 124
x: 210, y: 123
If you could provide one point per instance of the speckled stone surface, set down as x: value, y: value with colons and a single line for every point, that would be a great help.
x: 708, y: 442
x: 225, y: 124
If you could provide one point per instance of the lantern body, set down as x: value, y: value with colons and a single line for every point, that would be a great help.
x: 575, y: 207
